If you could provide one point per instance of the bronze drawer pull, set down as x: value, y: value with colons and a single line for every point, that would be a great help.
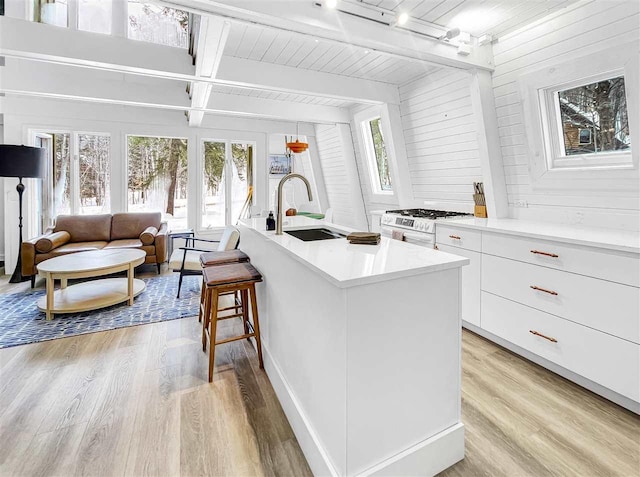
x: 550, y: 292
x: 553, y: 340
x: 454, y: 237
x: 547, y: 254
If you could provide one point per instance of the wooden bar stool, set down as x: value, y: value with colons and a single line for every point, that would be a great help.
x: 223, y: 279
x: 212, y: 259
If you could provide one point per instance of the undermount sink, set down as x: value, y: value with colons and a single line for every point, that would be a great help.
x: 309, y: 235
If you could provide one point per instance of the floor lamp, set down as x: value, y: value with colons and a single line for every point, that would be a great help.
x: 21, y: 161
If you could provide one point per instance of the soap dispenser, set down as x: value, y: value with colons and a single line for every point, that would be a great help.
x: 271, y: 222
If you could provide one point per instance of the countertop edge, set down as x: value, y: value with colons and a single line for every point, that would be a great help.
x: 492, y: 227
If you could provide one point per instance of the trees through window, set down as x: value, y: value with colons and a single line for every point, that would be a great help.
x: 376, y: 155
x: 157, y: 178
x: 594, y: 117
x: 158, y: 24
x: 228, y: 174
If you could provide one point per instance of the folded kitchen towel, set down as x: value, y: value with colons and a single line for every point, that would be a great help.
x: 397, y: 235
x: 364, y: 238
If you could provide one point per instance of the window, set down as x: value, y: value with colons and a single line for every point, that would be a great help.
x: 51, y: 12
x: 586, y: 123
x: 375, y: 152
x: 228, y: 175
x: 157, y: 24
x: 78, y: 174
x: 380, y: 153
x: 579, y: 124
x: 157, y: 178
x: 95, y: 16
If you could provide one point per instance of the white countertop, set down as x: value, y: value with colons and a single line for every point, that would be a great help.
x: 613, y: 239
x: 348, y: 265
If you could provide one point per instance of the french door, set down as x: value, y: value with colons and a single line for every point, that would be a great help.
x: 227, y: 178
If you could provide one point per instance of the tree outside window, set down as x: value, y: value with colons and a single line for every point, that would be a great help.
x: 380, y: 155
x: 157, y: 24
x: 157, y: 179
x: 594, y: 117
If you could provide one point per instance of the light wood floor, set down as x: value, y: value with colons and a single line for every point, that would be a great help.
x: 136, y: 401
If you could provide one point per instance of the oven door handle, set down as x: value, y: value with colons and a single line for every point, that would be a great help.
x: 419, y: 237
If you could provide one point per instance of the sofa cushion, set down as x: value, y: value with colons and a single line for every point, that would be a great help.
x: 77, y: 247
x: 124, y: 243
x: 51, y: 241
x: 85, y: 228
x: 131, y: 225
x: 148, y: 235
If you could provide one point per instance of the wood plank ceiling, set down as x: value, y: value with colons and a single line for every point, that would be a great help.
x: 477, y: 17
x: 301, y: 51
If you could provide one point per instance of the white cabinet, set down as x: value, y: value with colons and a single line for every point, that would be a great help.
x: 465, y: 243
x: 572, y: 308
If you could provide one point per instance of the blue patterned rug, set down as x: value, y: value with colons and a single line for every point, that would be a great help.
x: 21, y: 322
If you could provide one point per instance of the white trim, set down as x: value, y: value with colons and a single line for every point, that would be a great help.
x: 535, y: 88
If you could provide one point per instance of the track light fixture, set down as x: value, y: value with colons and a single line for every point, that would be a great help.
x: 403, y: 18
x: 450, y: 34
x: 331, y: 3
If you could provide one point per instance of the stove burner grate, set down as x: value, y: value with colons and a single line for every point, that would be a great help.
x: 427, y: 213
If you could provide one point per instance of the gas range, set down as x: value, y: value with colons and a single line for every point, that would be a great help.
x: 417, y: 225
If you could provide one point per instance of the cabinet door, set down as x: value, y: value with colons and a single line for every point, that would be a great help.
x: 470, y: 283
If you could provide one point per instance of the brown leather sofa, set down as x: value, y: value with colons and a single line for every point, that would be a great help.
x: 81, y: 233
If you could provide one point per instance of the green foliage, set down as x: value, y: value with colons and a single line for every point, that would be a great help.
x: 381, y: 154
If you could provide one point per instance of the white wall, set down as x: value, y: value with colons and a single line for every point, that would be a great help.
x: 21, y: 114
x: 572, y: 34
x: 441, y: 139
x: 295, y: 192
x: 1, y: 194
x: 340, y: 173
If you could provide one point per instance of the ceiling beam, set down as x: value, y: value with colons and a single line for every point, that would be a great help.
x: 27, y: 78
x: 212, y: 37
x: 304, y: 18
x: 45, y: 43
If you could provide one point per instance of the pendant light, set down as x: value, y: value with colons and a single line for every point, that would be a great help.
x: 297, y: 147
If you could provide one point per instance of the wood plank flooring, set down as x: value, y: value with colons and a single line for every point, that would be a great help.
x: 136, y: 402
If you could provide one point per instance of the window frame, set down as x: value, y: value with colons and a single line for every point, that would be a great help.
x: 74, y: 169
x: 553, y: 130
x: 368, y: 157
x: 605, y: 172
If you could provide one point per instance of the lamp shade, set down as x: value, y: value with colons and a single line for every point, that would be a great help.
x: 22, y: 161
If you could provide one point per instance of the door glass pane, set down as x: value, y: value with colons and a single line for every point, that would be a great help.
x: 242, y: 177
x: 213, y: 186
x: 93, y: 152
x: 61, y: 174
x: 157, y: 179
x: 95, y: 16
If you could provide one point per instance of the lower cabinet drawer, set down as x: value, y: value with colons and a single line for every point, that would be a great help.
x: 600, y: 304
x: 609, y: 361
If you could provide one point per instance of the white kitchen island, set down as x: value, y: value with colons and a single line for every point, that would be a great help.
x: 362, y: 346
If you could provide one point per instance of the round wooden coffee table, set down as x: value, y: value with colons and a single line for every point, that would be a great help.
x: 93, y: 294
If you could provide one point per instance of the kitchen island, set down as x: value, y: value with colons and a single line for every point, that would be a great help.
x: 362, y: 346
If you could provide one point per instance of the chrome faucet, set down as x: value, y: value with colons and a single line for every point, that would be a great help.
x: 280, y: 185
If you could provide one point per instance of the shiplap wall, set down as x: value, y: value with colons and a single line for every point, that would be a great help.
x: 441, y: 140
x: 566, y: 36
x: 334, y: 170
